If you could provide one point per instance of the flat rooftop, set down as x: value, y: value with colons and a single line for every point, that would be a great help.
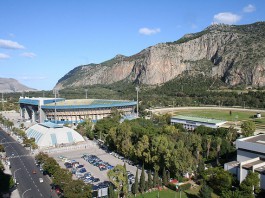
x: 198, y: 119
x: 259, y: 139
x: 233, y: 163
x: 88, y: 104
x: 249, y: 165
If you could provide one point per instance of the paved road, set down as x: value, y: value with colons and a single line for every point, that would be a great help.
x: 22, y: 165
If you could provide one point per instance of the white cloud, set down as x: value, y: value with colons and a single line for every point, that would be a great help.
x: 226, y: 18
x: 7, y: 44
x: 249, y: 8
x: 28, y: 54
x: 4, y: 56
x: 149, y: 31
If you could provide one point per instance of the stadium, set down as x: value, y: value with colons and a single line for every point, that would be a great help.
x: 62, y: 111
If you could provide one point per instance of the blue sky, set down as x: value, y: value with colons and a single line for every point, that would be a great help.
x: 40, y: 41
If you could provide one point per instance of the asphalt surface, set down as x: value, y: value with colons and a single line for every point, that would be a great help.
x: 22, y: 165
x: 93, y: 150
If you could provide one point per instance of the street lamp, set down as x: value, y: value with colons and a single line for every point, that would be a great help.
x: 55, y: 91
x: 15, y: 174
x: 25, y: 192
x: 86, y: 92
x: 137, y: 90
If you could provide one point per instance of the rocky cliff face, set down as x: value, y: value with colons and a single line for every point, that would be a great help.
x: 233, y: 53
x: 8, y: 85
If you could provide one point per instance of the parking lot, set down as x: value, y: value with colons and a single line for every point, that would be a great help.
x: 98, y: 152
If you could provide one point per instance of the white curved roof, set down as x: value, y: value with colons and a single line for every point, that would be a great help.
x: 49, y: 134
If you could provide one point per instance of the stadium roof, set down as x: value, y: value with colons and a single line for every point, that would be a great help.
x: 88, y: 103
x: 48, y: 135
x: 36, y: 101
x: 198, y: 119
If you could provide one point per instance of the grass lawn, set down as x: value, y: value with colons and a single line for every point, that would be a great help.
x: 192, y: 193
x: 163, y: 194
x: 219, y: 114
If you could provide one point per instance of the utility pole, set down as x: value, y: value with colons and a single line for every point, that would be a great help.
x: 137, y: 90
x: 2, y: 101
x: 86, y: 92
x: 55, y: 91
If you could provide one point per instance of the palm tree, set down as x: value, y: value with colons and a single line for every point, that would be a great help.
x: 198, y: 148
x: 218, y: 147
x: 209, y: 141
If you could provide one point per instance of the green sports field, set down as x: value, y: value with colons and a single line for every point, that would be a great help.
x: 234, y: 116
x: 218, y: 114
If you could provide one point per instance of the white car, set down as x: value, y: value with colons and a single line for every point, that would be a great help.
x: 41, y: 180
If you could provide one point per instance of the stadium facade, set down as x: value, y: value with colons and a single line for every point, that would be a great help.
x: 71, y: 111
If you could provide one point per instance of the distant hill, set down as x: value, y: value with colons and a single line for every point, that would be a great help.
x: 234, y: 54
x: 8, y: 85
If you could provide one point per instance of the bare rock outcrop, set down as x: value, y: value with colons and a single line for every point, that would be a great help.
x: 233, y: 53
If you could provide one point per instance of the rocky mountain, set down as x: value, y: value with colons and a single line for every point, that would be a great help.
x: 8, y: 85
x: 233, y: 53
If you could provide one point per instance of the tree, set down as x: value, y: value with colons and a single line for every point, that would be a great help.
x: 205, y: 192
x: 219, y: 179
x: 248, y: 128
x: 2, y: 148
x: 142, y: 149
x: 125, y: 186
x: 155, y: 179
x: 62, y: 177
x: 117, y: 177
x: 209, y: 141
x: 111, y: 192
x: 168, y: 176
x: 164, y: 176
x: 123, y: 139
x: 77, y: 189
x: 51, y: 166
x: 250, y: 183
x: 150, y: 182
x: 142, y: 180
x: 218, y: 147
x: 136, y: 183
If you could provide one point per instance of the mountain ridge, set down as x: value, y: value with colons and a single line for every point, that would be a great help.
x: 8, y: 85
x: 233, y: 53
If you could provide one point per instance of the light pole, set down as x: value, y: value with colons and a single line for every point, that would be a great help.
x: 15, y: 174
x: 55, y: 91
x: 137, y: 90
x: 25, y: 192
x: 86, y: 92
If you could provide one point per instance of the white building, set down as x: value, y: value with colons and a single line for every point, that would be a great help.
x: 250, y: 157
x: 52, y: 135
x: 190, y: 123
